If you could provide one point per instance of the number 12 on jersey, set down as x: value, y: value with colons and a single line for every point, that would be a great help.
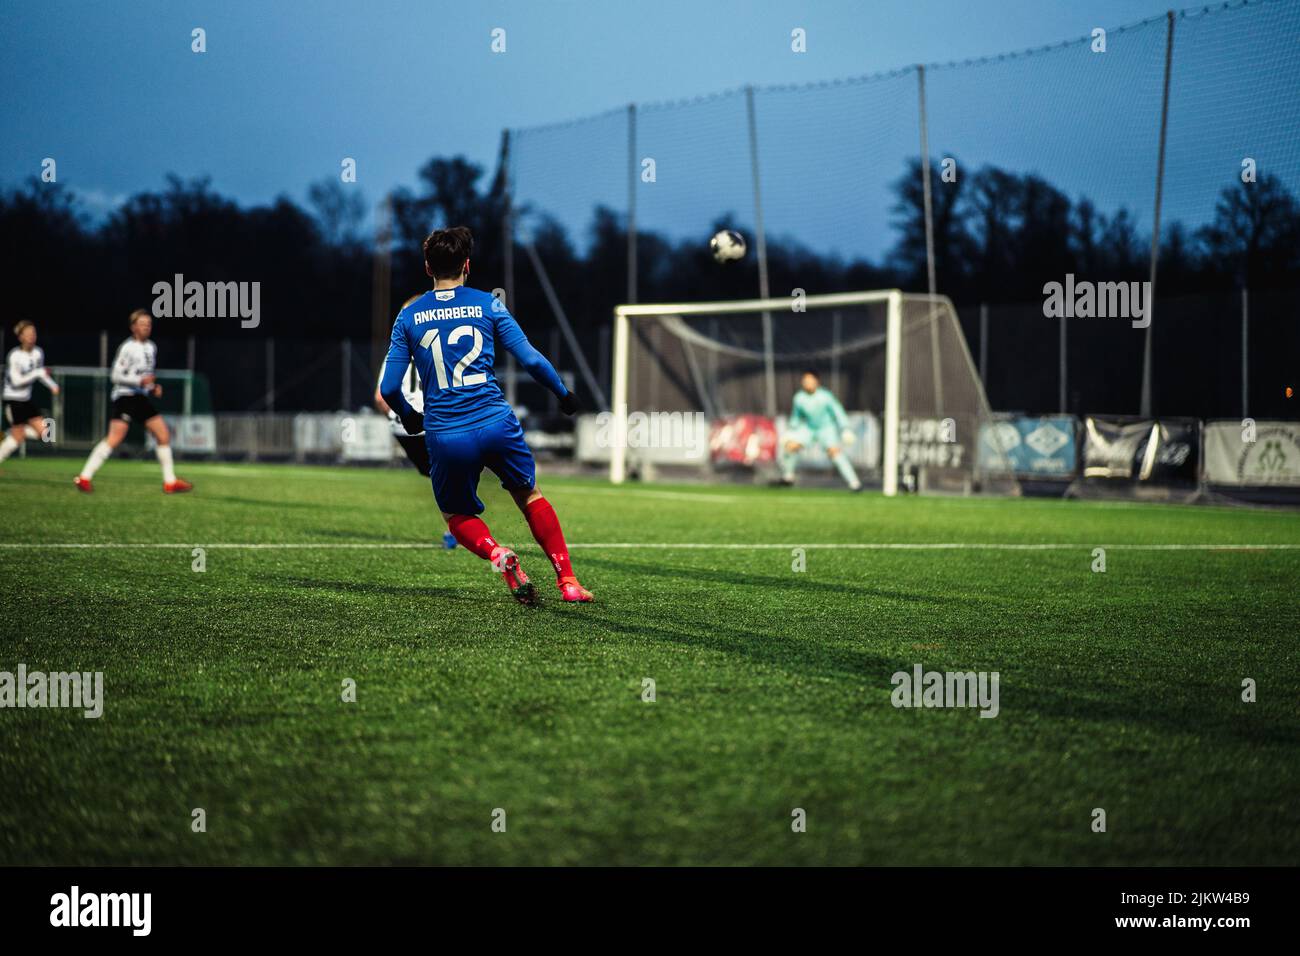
x: 433, y: 342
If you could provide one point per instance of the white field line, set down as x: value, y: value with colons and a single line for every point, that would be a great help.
x: 704, y: 496
x: 656, y: 545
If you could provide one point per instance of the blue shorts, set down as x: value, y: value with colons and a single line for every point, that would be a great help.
x: 457, y: 459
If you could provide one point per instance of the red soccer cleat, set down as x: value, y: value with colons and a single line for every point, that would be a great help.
x: 171, y: 487
x: 521, y: 589
x: 83, y: 484
x: 573, y: 591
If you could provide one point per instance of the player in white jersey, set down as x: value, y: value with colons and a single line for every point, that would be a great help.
x: 23, y: 366
x: 417, y: 450
x: 134, y: 383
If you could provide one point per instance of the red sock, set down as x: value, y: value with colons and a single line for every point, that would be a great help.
x: 546, y: 529
x: 473, y: 535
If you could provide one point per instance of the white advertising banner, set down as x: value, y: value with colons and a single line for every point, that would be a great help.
x: 1252, y: 454
x: 193, y: 434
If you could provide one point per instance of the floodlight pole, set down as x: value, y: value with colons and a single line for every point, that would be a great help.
x: 1155, y: 224
x: 925, y: 185
x: 984, y: 345
x: 508, y: 255
x: 632, y: 175
x: 1245, y: 351
x: 381, y: 281
x: 760, y: 241
x: 927, y: 201
x: 1063, y: 370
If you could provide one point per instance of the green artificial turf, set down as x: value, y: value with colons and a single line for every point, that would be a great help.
x: 1118, y: 690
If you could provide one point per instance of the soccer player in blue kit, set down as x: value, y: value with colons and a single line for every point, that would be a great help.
x: 451, y: 334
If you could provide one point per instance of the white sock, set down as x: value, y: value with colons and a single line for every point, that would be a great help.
x: 98, y: 455
x: 787, y: 460
x: 845, y: 468
x: 165, y: 459
x: 7, y: 447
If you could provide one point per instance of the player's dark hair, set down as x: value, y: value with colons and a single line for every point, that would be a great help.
x: 812, y: 372
x: 138, y: 313
x: 446, y: 250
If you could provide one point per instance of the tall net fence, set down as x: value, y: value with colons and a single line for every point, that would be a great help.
x: 1043, y: 163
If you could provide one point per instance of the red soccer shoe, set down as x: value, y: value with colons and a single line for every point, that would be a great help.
x: 180, y: 484
x: 83, y: 484
x: 521, y: 589
x: 573, y: 591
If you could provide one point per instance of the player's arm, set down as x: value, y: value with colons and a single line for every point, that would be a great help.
x: 510, y: 335
x: 46, y: 379
x: 798, y: 415
x: 390, y: 385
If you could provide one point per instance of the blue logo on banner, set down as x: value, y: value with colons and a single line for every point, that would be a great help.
x: 1029, y: 446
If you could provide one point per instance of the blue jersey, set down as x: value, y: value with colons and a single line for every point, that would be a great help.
x: 452, y: 336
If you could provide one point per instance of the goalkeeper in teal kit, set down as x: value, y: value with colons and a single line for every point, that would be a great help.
x: 817, y: 418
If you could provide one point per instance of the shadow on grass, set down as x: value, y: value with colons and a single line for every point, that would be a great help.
x: 278, y: 504
x: 805, y: 656
x: 1176, y: 714
x: 411, y: 592
x: 795, y: 583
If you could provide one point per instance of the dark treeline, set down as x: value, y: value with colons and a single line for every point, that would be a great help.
x: 999, y: 236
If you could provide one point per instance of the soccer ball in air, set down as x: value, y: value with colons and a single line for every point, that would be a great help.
x: 727, y: 246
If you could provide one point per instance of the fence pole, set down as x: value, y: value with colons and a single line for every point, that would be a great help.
x: 508, y: 252
x: 1063, y: 373
x: 1155, y: 222
x: 381, y: 318
x: 931, y: 284
x: 836, y: 336
x: 1245, y: 351
x: 552, y: 403
x: 760, y: 237
x: 984, y: 346
x: 270, y: 374
x: 345, y: 391
x: 101, y: 394
x: 632, y: 176
x: 931, y: 281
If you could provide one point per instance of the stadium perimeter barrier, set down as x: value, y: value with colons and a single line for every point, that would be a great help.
x: 1180, y: 459
x: 1149, y: 122
x: 1168, y: 458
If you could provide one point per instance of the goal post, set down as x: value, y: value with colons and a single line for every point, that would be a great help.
x: 893, y: 384
x: 898, y: 362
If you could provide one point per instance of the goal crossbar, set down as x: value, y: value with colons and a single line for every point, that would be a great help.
x: 827, y: 301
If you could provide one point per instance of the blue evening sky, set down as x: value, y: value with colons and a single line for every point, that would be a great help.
x: 286, y: 89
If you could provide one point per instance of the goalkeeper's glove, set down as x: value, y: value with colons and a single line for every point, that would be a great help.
x: 848, y: 436
x: 569, y: 404
x: 413, y: 422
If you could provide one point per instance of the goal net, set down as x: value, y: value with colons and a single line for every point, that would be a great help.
x: 82, y: 406
x: 724, y: 374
